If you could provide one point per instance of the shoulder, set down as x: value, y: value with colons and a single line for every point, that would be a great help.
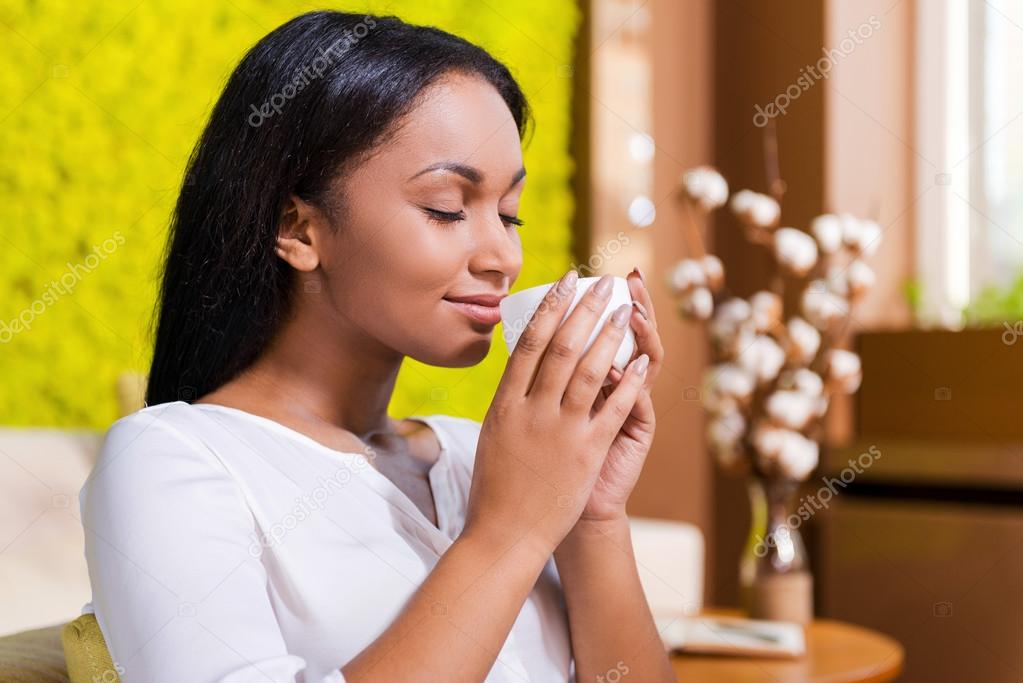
x: 149, y: 460
x: 166, y: 422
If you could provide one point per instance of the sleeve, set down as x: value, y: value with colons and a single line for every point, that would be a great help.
x: 176, y: 592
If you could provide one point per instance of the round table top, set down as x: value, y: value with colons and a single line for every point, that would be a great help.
x: 836, y: 652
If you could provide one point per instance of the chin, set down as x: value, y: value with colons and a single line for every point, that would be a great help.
x: 458, y: 353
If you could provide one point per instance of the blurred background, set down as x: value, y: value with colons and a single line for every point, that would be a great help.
x: 915, y: 125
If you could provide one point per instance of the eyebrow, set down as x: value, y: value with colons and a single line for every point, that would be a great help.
x: 470, y: 173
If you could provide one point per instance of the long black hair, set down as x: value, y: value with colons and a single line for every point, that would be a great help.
x: 302, y: 106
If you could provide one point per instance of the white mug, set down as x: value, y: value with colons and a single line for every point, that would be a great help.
x: 518, y: 308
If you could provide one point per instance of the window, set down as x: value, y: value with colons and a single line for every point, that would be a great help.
x: 970, y: 151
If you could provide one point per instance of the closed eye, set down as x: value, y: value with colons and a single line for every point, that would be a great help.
x: 454, y: 216
x: 444, y: 216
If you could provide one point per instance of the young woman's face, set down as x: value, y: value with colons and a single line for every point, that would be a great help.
x: 429, y: 216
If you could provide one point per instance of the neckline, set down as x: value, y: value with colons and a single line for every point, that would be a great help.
x: 428, y: 420
x: 432, y: 475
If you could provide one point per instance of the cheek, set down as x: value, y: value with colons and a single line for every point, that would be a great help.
x: 410, y: 263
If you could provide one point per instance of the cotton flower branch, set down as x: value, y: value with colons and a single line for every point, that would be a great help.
x: 774, y: 371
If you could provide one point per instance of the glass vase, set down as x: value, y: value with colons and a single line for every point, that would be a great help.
x: 775, y: 577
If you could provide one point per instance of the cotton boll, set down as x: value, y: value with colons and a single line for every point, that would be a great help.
x: 725, y: 431
x: 765, y: 211
x: 732, y: 347
x: 768, y: 442
x: 798, y: 457
x: 713, y: 271
x: 706, y: 187
x: 728, y: 319
x: 844, y: 372
x: 791, y: 409
x: 772, y: 358
x: 717, y: 402
x: 763, y: 358
x: 827, y: 230
x: 837, y: 281
x: 859, y: 279
x: 742, y: 201
x: 755, y: 209
x: 803, y: 340
x: 685, y: 275
x: 821, y: 306
x: 697, y: 303
x: 724, y: 436
x: 731, y: 380
x: 766, y: 310
x: 852, y: 227
x: 802, y: 380
x: 795, y: 250
x: 866, y: 239
x: 734, y: 311
x: 820, y: 406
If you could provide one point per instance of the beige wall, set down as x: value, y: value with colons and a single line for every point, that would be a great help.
x: 845, y: 145
x: 676, y: 481
x: 652, y: 66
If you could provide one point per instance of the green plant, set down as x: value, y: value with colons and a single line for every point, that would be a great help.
x: 995, y: 304
x: 102, y: 105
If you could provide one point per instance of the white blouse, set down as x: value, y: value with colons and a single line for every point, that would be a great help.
x: 225, y: 546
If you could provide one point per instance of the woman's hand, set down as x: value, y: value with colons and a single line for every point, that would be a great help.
x: 628, y: 451
x: 542, y: 443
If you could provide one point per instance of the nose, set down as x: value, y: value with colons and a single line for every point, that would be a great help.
x: 497, y: 249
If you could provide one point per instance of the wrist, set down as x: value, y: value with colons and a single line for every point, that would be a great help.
x: 498, y: 543
x: 588, y: 532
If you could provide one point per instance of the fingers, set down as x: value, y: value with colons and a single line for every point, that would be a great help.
x: 529, y: 349
x: 640, y: 293
x: 644, y: 326
x: 565, y: 348
x: 642, y: 414
x: 648, y: 341
x: 619, y: 404
x: 588, y: 378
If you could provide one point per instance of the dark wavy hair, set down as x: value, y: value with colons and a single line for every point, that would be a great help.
x: 305, y: 104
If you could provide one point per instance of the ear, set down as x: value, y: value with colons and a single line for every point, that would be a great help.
x: 300, y: 235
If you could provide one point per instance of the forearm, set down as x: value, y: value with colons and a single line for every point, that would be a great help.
x: 456, y: 623
x: 612, y: 628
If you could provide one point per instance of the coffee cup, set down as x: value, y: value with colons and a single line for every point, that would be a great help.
x: 517, y: 309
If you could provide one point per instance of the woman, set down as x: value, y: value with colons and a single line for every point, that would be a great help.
x: 352, y: 202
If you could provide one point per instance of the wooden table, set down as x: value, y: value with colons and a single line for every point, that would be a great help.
x: 836, y: 652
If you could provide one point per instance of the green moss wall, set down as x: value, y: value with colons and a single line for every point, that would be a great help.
x: 100, y: 104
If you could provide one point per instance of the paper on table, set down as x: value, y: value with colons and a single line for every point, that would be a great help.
x: 732, y: 635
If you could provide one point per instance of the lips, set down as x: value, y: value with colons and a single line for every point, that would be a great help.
x: 479, y: 307
x: 490, y: 300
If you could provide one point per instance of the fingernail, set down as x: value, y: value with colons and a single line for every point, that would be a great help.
x: 641, y: 309
x: 603, y: 286
x: 621, y: 315
x: 639, y: 272
x: 641, y: 364
x: 568, y: 281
